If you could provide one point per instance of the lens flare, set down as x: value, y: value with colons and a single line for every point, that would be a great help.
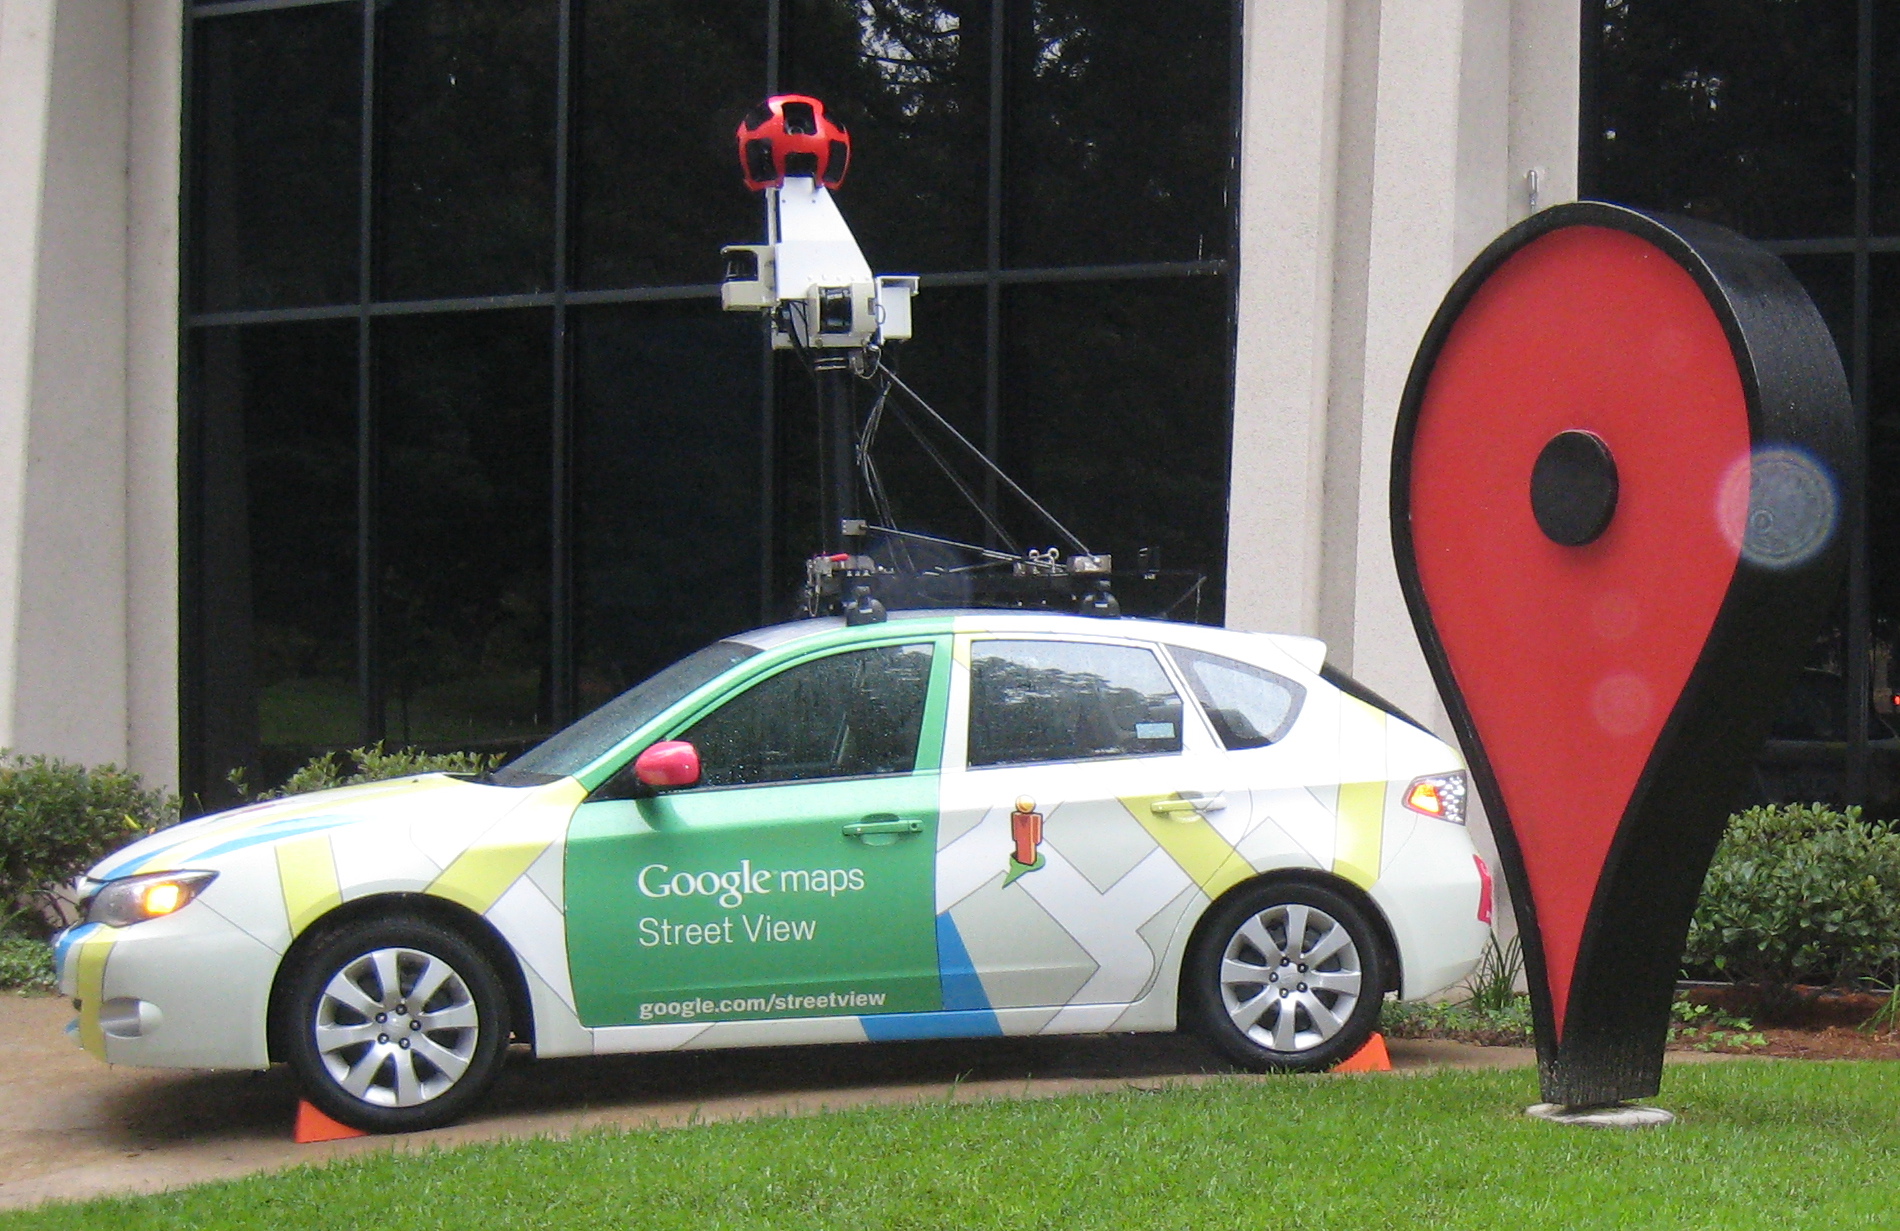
x: 1780, y: 508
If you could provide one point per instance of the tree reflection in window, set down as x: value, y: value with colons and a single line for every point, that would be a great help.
x: 1036, y: 701
x: 846, y: 715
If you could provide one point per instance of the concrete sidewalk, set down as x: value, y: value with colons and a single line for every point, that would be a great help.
x: 71, y: 1127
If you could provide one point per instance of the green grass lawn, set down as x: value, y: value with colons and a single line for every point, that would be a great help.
x: 1758, y: 1144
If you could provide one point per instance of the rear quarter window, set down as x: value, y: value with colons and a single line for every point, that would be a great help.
x: 1248, y: 706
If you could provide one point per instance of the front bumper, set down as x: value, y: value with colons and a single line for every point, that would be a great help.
x: 190, y: 990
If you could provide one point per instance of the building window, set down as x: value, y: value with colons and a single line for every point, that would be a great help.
x: 468, y: 445
x: 1768, y: 116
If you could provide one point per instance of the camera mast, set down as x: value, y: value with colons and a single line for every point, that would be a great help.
x: 815, y: 287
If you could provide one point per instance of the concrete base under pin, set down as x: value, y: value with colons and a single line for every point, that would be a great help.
x: 1615, y: 1115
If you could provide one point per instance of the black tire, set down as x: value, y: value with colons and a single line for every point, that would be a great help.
x: 1303, y: 1019
x: 401, y: 1075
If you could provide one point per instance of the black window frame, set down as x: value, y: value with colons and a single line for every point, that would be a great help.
x: 202, y: 781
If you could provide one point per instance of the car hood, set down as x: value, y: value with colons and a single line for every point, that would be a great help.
x: 199, y: 843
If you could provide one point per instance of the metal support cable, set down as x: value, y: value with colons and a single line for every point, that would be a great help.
x: 984, y: 459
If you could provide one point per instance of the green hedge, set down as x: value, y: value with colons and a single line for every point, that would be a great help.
x: 371, y: 764
x: 1799, y: 894
x: 57, y: 819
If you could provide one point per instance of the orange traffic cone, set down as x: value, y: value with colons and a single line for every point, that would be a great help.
x: 1372, y: 1058
x: 313, y: 1125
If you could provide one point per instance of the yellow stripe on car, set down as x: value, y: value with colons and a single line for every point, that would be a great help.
x: 483, y: 872
x: 1209, y: 859
x: 306, y: 868
x: 1360, y: 832
x: 91, y: 986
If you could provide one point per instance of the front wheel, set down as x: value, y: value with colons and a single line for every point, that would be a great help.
x: 395, y: 1025
x: 1287, y: 977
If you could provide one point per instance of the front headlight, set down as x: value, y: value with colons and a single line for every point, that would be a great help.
x: 134, y: 899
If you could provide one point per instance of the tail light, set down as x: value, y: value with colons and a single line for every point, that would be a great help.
x: 1439, y: 796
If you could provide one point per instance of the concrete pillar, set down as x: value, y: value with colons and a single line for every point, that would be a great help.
x: 1289, y: 164
x: 88, y: 259
x: 155, y: 137
x: 1383, y: 145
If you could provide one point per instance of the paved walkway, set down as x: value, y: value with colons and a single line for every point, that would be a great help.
x: 71, y: 1127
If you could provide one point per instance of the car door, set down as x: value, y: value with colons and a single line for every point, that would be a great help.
x: 1079, y: 823
x: 795, y: 880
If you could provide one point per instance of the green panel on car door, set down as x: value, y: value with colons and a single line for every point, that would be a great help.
x: 755, y: 902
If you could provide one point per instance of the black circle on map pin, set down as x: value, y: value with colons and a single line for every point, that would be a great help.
x: 1620, y: 475
x: 1573, y: 488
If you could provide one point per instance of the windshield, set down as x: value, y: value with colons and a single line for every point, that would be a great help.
x: 577, y: 747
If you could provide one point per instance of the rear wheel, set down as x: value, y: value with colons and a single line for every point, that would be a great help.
x: 1288, y: 977
x: 395, y: 1025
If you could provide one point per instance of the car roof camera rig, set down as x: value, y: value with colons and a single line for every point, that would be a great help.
x: 812, y: 282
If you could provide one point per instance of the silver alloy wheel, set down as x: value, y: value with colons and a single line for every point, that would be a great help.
x: 1289, y: 977
x: 396, y: 1027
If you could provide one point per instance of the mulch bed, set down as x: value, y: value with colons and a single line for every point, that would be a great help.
x: 1811, y: 1024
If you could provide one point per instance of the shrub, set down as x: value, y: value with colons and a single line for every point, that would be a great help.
x: 26, y: 963
x: 57, y: 819
x: 371, y: 764
x: 1799, y: 894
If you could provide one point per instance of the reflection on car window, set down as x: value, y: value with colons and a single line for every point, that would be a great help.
x: 575, y: 748
x: 843, y: 716
x: 1068, y: 701
x: 1249, y: 706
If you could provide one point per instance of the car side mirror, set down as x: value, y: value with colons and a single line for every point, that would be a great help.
x: 669, y: 763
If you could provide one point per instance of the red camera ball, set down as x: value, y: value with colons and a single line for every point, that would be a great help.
x: 789, y: 135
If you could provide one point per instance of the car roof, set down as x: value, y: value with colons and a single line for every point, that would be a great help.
x: 1308, y: 652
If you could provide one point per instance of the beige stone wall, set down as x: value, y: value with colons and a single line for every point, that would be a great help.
x: 88, y: 324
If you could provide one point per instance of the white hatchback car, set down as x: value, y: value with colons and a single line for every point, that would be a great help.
x: 945, y: 824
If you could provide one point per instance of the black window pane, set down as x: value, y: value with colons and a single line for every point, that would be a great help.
x: 273, y: 585
x: 277, y: 118
x: 1883, y: 526
x: 1116, y: 414
x: 1737, y: 111
x: 910, y: 80
x: 1829, y: 281
x: 1038, y: 701
x: 944, y: 364
x: 668, y: 507
x: 463, y: 519
x: 1886, y: 135
x: 844, y: 716
x: 1120, y: 132
x: 661, y: 86
x: 465, y: 153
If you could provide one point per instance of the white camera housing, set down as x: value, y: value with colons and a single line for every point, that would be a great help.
x: 813, y: 269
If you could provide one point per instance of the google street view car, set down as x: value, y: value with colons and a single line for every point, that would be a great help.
x: 945, y: 824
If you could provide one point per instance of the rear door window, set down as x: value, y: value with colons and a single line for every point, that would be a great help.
x: 1040, y: 701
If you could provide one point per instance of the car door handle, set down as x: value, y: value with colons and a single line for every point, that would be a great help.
x: 1188, y: 809
x: 882, y: 824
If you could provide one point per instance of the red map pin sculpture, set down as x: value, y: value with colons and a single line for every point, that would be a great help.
x: 1620, y: 481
